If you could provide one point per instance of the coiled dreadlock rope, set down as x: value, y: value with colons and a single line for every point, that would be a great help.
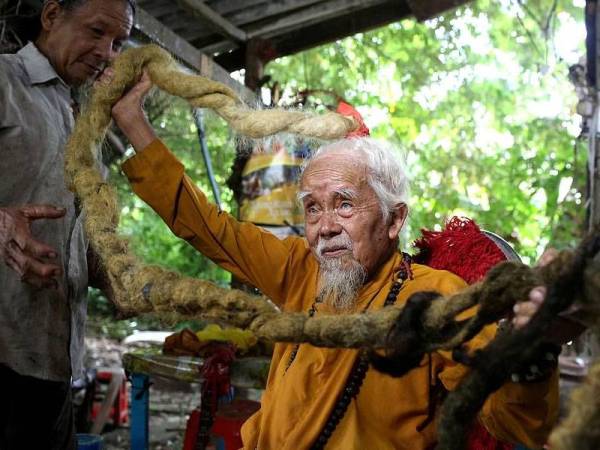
x: 581, y: 428
x: 139, y: 288
x: 577, y: 279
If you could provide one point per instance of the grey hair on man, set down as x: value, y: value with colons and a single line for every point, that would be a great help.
x: 385, y: 166
x: 341, y: 278
x: 70, y: 5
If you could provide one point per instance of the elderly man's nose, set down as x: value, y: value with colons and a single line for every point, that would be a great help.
x: 329, y: 225
x: 105, y: 51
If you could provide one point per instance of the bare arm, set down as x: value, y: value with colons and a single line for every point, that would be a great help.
x: 129, y: 115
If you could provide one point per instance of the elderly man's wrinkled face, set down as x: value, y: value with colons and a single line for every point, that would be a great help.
x: 79, y: 43
x: 344, y: 223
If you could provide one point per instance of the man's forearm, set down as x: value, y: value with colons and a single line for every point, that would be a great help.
x: 138, y: 131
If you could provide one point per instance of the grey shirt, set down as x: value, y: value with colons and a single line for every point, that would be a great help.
x: 41, y: 331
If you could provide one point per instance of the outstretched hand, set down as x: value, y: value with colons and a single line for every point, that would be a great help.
x: 128, y: 113
x: 30, y: 258
x: 564, y: 328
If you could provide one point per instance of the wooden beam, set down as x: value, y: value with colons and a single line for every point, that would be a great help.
x: 426, y: 9
x: 254, y: 65
x: 340, y: 27
x: 257, y: 13
x: 217, y: 47
x: 186, y: 53
x: 225, y: 7
x: 328, y: 31
x: 261, y: 12
x: 157, y: 9
x: 309, y: 16
x: 215, y: 21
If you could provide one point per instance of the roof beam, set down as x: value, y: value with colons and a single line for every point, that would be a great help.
x: 324, y: 32
x: 216, y: 21
x: 264, y: 11
x: 426, y: 9
x: 309, y: 16
x: 188, y: 54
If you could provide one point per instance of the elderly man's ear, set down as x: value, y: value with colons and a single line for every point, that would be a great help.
x: 397, y: 218
x: 50, y: 14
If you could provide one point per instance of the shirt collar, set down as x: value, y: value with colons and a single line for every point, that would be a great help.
x: 37, y: 66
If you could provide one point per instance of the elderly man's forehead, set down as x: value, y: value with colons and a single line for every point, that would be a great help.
x: 341, y: 158
x: 118, y: 12
x: 334, y: 172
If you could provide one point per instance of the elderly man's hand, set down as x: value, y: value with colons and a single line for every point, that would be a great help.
x: 526, y: 310
x: 129, y: 114
x: 566, y: 327
x: 24, y: 254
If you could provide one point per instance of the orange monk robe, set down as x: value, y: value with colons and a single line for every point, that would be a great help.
x: 388, y: 413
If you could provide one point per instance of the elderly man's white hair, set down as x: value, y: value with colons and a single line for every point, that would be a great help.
x: 386, y: 172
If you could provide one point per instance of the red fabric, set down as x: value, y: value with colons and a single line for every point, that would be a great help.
x: 481, y: 439
x: 346, y: 110
x: 461, y: 248
x: 229, y: 421
x: 216, y: 374
x: 192, y: 430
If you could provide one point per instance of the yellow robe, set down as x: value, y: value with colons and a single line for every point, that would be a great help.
x: 388, y: 413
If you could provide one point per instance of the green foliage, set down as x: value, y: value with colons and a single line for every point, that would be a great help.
x: 150, y: 238
x: 478, y: 99
x: 480, y: 102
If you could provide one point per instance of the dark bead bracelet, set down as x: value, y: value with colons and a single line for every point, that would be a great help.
x: 540, y: 367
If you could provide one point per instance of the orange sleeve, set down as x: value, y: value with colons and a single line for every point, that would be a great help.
x: 522, y: 413
x: 250, y: 253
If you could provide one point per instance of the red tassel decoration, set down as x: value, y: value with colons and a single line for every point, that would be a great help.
x: 461, y: 248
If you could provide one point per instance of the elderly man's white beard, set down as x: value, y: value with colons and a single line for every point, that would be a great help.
x: 339, y: 278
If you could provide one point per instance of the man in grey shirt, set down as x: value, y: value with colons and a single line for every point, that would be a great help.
x: 45, y: 276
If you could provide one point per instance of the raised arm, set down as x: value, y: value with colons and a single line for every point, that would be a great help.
x: 252, y: 254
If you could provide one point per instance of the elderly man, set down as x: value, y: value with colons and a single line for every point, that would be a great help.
x: 354, y: 197
x: 45, y: 279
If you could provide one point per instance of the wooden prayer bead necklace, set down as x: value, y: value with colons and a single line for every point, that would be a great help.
x: 361, y: 365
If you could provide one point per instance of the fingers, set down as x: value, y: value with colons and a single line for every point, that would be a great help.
x: 524, y: 311
x: 15, y: 226
x: 105, y: 78
x: 31, y: 270
x: 31, y: 279
x: 39, y: 249
x: 142, y: 87
x: 34, y: 212
x: 130, y: 117
x: 547, y: 257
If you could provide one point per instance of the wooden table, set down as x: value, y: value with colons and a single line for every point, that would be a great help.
x: 246, y: 373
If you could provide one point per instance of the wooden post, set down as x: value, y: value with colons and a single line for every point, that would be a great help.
x: 594, y: 177
x: 140, y: 405
x: 254, y: 65
x: 257, y: 53
x: 252, y: 80
x: 594, y: 136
